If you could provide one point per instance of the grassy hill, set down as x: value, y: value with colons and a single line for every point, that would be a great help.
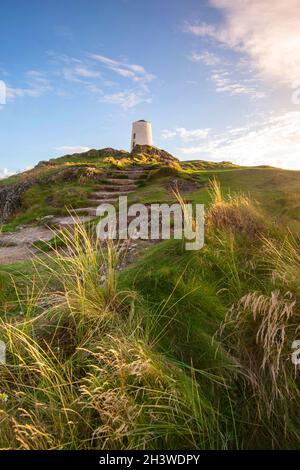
x: 66, y: 182
x: 147, y: 345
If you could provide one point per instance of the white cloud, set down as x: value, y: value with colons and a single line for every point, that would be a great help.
x: 203, y: 30
x: 208, y: 58
x: 85, y: 72
x: 37, y: 85
x: 168, y: 134
x: 126, y: 99
x: 95, y: 89
x: 274, y: 141
x: 233, y: 79
x: 266, y: 31
x: 79, y: 72
x: 226, y: 84
x: 185, y: 135
x: 69, y: 149
x: 82, y: 72
x: 135, y: 72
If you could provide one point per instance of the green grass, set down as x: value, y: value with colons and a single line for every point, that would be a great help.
x: 277, y: 191
x: 53, y: 199
x: 15, y: 282
x: 177, y: 351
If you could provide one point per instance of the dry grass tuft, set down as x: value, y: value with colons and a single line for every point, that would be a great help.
x: 262, y: 328
x: 282, y: 258
x: 236, y: 213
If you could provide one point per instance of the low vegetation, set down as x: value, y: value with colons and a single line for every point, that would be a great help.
x: 181, y: 349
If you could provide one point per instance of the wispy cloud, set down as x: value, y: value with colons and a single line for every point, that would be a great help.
x: 186, y: 135
x: 135, y: 72
x: 139, y: 90
x: 234, y: 78
x: 273, y: 141
x: 266, y: 31
x: 79, y: 72
x: 206, y: 57
x: 69, y: 149
x: 85, y: 72
x: 126, y: 99
x: 37, y: 84
x: 226, y: 84
x: 91, y: 73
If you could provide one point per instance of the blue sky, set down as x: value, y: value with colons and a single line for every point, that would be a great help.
x: 218, y: 79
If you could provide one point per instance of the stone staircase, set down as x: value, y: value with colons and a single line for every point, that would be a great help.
x: 118, y: 183
x: 17, y: 246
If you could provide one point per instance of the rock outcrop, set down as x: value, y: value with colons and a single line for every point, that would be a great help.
x: 11, y: 199
x: 89, y: 155
x: 153, y: 153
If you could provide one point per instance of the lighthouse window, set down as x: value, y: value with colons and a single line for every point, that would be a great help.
x: 134, y: 135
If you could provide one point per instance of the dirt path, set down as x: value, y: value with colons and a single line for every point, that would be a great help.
x: 25, y: 236
x: 13, y: 254
x: 17, y: 246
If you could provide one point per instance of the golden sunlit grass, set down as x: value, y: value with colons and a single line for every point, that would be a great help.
x: 235, y: 212
x: 267, y: 321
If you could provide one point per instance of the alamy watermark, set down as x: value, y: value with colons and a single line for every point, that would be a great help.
x: 155, y: 222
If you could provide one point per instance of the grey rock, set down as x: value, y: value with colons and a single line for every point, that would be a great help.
x: 11, y: 199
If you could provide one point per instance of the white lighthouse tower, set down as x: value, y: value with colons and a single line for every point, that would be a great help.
x: 141, y: 133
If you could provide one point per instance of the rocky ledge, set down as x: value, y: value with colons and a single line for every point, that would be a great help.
x: 11, y: 199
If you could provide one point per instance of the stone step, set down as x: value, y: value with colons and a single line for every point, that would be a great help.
x: 130, y: 175
x: 106, y: 194
x: 111, y: 188
x: 88, y: 210
x: 121, y: 181
x: 69, y: 221
x: 104, y: 200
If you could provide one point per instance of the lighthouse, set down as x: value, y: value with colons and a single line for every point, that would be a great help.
x: 141, y: 133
